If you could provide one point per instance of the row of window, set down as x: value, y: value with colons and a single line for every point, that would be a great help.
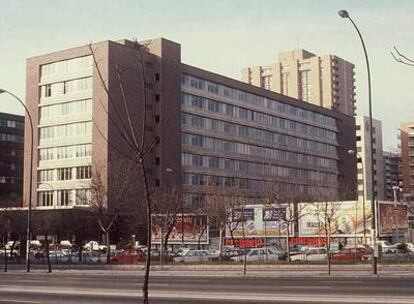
x: 11, y: 137
x: 256, y: 134
x: 67, y: 108
x: 61, y: 174
x: 64, y: 197
x: 66, y: 66
x: 65, y: 152
x: 8, y: 179
x: 235, y: 182
x: 11, y: 123
x: 259, y: 101
x: 235, y: 147
x: 68, y: 130
x: 66, y: 87
x: 262, y: 118
x: 246, y: 167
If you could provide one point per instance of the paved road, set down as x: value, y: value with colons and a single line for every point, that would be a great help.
x: 112, y: 287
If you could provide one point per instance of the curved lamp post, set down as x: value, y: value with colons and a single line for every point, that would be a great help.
x: 344, y: 14
x: 29, y: 213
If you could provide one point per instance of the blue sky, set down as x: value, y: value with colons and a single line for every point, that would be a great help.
x: 224, y: 36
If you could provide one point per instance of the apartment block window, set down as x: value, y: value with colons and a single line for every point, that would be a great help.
x: 83, y: 172
x: 46, y: 175
x: 157, y: 97
x: 64, y: 174
x: 45, y: 199
x: 48, y: 90
x: 63, y: 197
x: 83, y: 196
x: 157, y: 77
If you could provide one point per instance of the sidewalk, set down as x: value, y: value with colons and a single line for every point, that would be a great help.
x: 271, y: 271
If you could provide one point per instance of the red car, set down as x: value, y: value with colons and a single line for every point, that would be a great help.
x: 129, y: 256
x: 349, y: 254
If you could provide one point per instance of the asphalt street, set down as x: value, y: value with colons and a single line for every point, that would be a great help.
x: 112, y: 287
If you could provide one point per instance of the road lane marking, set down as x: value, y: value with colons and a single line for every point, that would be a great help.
x: 211, y: 295
x: 19, y: 301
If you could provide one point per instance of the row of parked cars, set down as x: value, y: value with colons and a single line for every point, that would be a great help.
x: 352, y: 252
x: 96, y: 253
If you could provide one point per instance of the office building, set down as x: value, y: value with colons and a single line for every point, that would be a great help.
x: 392, y: 174
x: 407, y: 159
x: 211, y: 130
x: 327, y: 81
x: 11, y: 159
x: 364, y: 167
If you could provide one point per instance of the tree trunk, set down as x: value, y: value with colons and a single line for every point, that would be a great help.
x: 287, y: 243
x: 244, y: 252
x: 80, y: 253
x: 5, y: 255
x: 221, y: 245
x: 49, y: 264
x: 149, y: 227
x: 108, y: 248
x: 199, y: 238
x: 162, y: 247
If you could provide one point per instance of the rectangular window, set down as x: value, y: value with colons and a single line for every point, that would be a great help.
x: 45, y: 199
x: 64, y: 174
x: 83, y: 172
x: 83, y: 196
x: 63, y: 197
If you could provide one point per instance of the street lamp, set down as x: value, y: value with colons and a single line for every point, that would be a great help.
x: 29, y: 213
x: 345, y: 14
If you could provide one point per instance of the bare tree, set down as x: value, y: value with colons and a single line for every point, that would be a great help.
x: 326, y: 210
x: 289, y: 203
x: 44, y: 223
x: 138, y: 140
x: 167, y: 209
x: 219, y: 207
x: 5, y: 232
x: 107, y: 212
x: 401, y: 58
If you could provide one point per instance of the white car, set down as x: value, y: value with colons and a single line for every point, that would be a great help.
x: 92, y: 245
x: 310, y: 254
x: 387, y: 247
x: 192, y: 256
x: 258, y: 254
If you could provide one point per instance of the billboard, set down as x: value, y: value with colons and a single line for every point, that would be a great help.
x: 195, y: 228
x: 392, y: 216
x: 257, y: 221
x: 347, y: 219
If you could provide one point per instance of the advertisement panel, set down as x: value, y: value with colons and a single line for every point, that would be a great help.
x: 195, y: 229
x: 346, y: 218
x: 257, y: 221
x: 392, y: 217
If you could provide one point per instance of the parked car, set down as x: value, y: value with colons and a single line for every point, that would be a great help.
x: 192, y: 256
x: 128, y: 256
x: 401, y: 247
x: 295, y: 249
x: 387, y: 247
x: 93, y: 245
x: 310, y: 254
x: 258, y: 254
x: 227, y: 254
x: 350, y: 253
